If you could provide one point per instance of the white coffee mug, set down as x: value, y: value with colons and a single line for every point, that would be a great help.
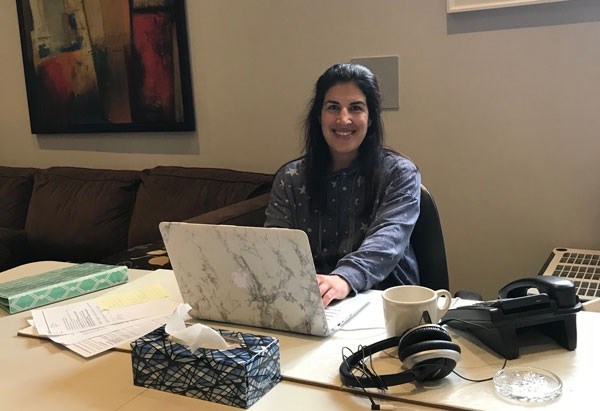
x: 404, y: 305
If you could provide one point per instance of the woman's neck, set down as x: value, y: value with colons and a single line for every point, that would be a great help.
x: 339, y: 162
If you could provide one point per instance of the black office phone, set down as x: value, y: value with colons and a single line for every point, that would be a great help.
x: 550, y: 309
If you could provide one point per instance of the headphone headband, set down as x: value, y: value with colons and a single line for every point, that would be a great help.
x: 427, y: 352
x: 348, y: 378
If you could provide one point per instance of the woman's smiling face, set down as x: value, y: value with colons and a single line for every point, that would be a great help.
x: 344, y: 122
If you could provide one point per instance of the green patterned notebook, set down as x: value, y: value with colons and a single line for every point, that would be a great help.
x: 52, y: 286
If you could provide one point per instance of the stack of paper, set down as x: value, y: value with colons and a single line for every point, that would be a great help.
x: 120, y: 316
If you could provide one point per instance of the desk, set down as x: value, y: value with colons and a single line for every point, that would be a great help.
x: 38, y: 374
x: 576, y: 369
x: 316, y: 361
x: 43, y: 374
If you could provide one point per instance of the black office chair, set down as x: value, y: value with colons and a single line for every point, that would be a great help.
x: 427, y: 241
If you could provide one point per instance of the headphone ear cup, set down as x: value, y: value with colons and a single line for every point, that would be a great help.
x: 426, y: 332
x: 430, y: 360
x: 425, y: 346
x: 431, y: 370
x: 428, y: 351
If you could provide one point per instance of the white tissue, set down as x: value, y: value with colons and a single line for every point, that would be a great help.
x: 195, y: 336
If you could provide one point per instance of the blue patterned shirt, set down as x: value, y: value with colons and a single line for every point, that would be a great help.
x: 373, y: 251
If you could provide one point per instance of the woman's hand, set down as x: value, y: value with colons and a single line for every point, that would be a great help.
x: 332, y: 287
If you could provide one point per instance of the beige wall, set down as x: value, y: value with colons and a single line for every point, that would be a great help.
x: 500, y: 109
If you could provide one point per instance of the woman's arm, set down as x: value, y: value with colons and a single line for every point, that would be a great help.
x: 388, y: 236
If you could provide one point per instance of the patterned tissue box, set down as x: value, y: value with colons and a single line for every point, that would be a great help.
x: 237, y: 377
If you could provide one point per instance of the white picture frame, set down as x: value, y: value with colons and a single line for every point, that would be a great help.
x: 457, y: 6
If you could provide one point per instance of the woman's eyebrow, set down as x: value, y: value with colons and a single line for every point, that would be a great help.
x: 352, y: 103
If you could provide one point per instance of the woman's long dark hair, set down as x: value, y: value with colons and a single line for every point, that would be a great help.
x: 316, y: 150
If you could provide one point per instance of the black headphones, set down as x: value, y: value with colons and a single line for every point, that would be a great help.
x: 426, y: 350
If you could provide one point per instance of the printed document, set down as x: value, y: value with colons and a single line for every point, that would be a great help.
x: 117, y: 317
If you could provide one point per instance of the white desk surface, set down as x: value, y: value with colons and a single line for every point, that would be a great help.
x: 38, y: 374
x: 317, y: 360
x: 43, y: 374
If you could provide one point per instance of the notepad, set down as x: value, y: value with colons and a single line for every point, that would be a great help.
x: 57, y: 285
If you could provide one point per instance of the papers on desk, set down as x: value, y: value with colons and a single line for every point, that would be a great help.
x: 120, y: 316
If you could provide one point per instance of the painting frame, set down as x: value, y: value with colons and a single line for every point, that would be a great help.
x: 457, y: 6
x: 88, y: 72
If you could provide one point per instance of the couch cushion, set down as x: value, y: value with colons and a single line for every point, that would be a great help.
x: 179, y: 193
x: 16, y: 184
x: 79, y: 214
x: 13, y: 248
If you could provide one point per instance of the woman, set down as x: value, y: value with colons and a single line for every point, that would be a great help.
x: 356, y: 200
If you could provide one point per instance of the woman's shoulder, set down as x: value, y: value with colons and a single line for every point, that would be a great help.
x: 393, y: 160
x: 295, y: 163
x: 400, y: 171
x: 292, y: 168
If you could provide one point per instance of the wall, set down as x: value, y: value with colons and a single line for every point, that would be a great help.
x: 499, y: 108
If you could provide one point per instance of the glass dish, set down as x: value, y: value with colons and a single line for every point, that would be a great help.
x: 527, y: 384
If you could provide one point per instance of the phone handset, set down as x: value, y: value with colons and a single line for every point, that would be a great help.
x: 561, y: 290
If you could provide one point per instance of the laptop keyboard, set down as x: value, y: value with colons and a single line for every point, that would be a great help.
x: 338, y: 312
x: 584, y: 270
x: 333, y: 312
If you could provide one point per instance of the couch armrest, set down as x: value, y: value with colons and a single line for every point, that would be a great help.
x: 249, y: 212
x: 13, y: 248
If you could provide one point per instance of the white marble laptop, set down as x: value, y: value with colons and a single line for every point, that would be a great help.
x: 262, y: 277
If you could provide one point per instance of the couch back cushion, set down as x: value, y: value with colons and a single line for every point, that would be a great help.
x: 16, y: 184
x: 79, y: 214
x: 179, y: 193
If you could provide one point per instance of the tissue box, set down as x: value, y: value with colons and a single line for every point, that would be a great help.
x: 237, y: 377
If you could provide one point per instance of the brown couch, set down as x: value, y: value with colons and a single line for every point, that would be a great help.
x: 80, y: 214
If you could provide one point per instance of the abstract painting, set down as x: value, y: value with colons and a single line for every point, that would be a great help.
x: 106, y: 65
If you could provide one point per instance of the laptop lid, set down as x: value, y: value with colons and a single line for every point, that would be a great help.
x: 580, y: 266
x: 263, y: 277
